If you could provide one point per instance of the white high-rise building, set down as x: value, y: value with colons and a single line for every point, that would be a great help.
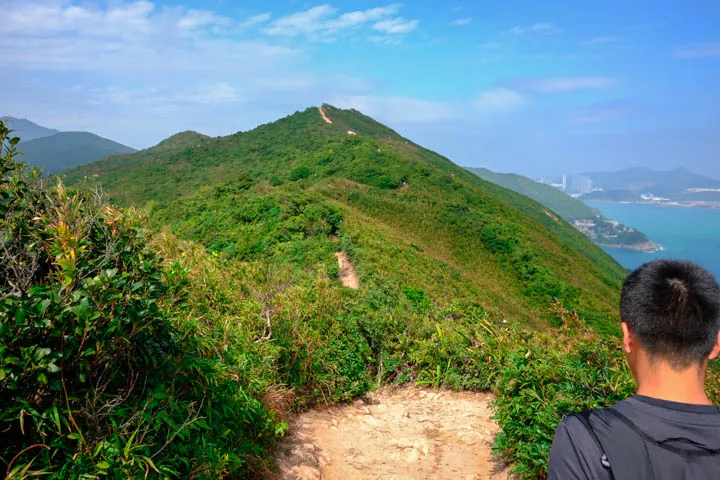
x: 581, y: 184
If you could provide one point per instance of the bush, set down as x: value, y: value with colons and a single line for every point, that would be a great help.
x: 300, y: 173
x: 97, y: 376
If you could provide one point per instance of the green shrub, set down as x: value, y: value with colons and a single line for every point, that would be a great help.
x: 97, y: 376
x: 300, y: 173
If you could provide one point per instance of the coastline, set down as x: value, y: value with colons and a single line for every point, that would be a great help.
x: 699, y: 204
x: 647, y: 247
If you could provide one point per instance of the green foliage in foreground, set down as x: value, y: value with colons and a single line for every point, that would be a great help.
x: 97, y: 376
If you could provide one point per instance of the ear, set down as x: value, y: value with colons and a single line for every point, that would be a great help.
x: 629, y: 342
x: 716, y: 351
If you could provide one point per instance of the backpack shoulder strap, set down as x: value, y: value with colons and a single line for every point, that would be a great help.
x: 623, y: 443
x: 584, y: 418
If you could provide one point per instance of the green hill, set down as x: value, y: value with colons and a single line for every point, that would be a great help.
x: 560, y: 203
x: 506, y: 252
x: 63, y: 150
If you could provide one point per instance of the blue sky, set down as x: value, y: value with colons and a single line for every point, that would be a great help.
x: 525, y: 86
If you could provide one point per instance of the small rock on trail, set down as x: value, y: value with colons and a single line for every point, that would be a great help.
x: 399, y: 434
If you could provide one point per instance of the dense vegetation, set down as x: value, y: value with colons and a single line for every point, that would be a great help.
x: 515, y: 265
x: 177, y: 350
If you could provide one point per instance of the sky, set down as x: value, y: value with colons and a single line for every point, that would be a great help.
x: 526, y: 86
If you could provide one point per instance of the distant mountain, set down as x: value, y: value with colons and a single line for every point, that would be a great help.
x: 679, y: 185
x: 560, y: 203
x: 68, y: 149
x: 27, y: 130
x: 53, y: 150
x: 588, y: 220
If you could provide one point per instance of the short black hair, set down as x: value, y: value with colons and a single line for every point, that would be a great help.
x: 673, y: 308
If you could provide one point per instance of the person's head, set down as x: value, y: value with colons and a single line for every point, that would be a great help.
x: 671, y: 312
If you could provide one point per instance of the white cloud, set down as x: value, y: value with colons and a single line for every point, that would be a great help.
x: 256, y: 20
x: 542, y: 28
x: 603, y: 40
x: 563, y: 84
x: 323, y: 23
x: 36, y: 19
x: 396, y: 26
x: 307, y: 22
x: 500, y: 100
x: 698, y: 50
x: 195, y: 19
x: 359, y: 17
x: 401, y: 110
x: 461, y: 22
x: 130, y: 39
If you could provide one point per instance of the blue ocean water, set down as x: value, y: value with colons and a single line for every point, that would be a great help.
x: 685, y: 233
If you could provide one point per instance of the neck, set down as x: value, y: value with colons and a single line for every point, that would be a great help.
x: 663, y: 382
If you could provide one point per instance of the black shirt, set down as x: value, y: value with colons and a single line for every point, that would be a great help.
x: 575, y: 455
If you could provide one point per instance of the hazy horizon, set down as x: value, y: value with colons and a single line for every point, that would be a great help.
x: 529, y: 88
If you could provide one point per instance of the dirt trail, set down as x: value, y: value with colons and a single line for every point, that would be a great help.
x: 406, y: 433
x: 348, y: 275
x: 322, y: 112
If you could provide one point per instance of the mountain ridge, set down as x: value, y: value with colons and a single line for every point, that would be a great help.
x: 381, y: 177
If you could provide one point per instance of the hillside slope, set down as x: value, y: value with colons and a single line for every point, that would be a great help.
x: 67, y: 149
x: 590, y: 221
x: 560, y: 203
x: 242, y: 194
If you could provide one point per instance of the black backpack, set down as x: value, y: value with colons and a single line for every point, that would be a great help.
x: 630, y: 454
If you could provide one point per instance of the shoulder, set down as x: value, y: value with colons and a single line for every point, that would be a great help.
x: 575, y: 454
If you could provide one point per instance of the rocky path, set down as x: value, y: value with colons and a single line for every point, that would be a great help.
x: 406, y: 433
x: 322, y: 112
x: 348, y: 276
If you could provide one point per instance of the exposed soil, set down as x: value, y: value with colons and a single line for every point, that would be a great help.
x: 322, y: 112
x: 348, y: 275
x: 406, y: 433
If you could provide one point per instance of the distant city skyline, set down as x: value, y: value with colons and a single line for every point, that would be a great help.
x: 528, y: 87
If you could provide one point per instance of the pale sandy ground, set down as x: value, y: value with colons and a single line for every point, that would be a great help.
x: 322, y: 112
x: 407, y: 433
x: 348, y: 275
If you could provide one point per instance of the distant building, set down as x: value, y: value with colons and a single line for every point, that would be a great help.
x: 581, y: 184
x: 553, y: 181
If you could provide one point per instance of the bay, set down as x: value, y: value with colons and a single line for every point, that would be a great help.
x: 684, y: 233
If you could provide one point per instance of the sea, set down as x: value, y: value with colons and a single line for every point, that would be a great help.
x: 688, y: 233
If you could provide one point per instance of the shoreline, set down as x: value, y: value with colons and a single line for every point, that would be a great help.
x: 645, y: 247
x: 708, y: 205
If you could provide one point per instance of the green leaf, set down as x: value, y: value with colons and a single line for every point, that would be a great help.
x: 75, y: 436
x: 52, y: 368
x: 103, y: 465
